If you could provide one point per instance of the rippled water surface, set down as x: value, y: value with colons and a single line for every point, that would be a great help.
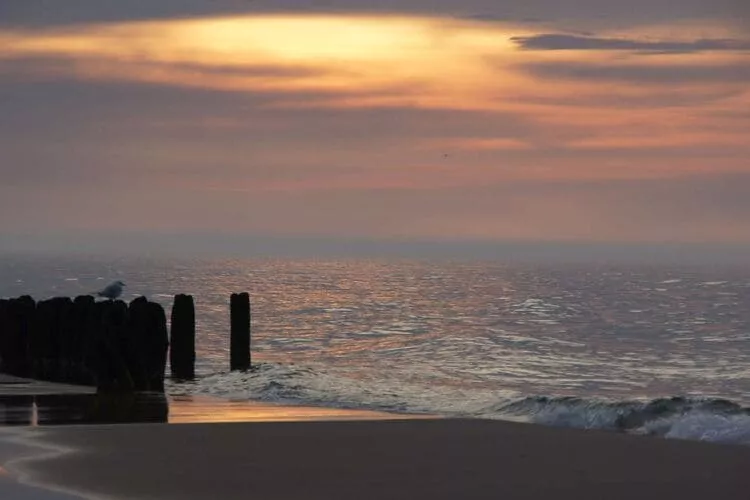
x: 453, y: 338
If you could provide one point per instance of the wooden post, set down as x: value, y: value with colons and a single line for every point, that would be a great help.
x: 136, y: 353
x: 40, y: 341
x: 68, y: 340
x: 82, y: 340
x: 118, y: 348
x: 19, y: 324
x: 113, y: 373
x: 239, y: 350
x: 156, y: 347
x: 5, y: 333
x: 51, y: 340
x: 182, y: 338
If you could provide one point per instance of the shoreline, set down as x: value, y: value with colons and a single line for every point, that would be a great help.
x: 32, y: 410
x: 395, y: 459
x: 19, y: 445
x: 210, y: 409
x: 207, y: 447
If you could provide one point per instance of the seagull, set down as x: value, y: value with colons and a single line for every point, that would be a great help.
x: 112, y: 291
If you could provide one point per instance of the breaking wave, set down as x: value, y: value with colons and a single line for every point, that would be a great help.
x: 705, y: 419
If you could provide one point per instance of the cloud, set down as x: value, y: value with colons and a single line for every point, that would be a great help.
x: 557, y: 41
x: 737, y: 72
x: 582, y: 12
x: 366, y: 60
x: 250, y: 123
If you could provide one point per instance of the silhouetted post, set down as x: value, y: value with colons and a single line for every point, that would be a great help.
x: 40, y: 340
x: 156, y: 346
x: 182, y: 338
x: 84, y: 326
x: 239, y: 349
x: 18, y: 323
x: 50, y: 342
x: 118, y: 348
x: 4, y: 333
x: 136, y: 353
x: 112, y: 370
x: 65, y: 340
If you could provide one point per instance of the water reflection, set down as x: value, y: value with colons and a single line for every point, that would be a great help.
x: 60, y: 409
x: 16, y: 410
x: 71, y: 409
x: 195, y: 409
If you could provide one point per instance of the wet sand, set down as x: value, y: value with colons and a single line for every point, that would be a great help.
x: 12, y: 449
x: 26, y: 406
x: 406, y: 459
x: 206, y: 409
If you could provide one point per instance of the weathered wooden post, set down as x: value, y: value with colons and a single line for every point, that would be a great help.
x: 156, y: 347
x: 4, y: 333
x: 84, y: 324
x: 19, y: 323
x: 136, y: 353
x: 239, y: 349
x: 112, y: 369
x: 51, y: 338
x: 182, y: 338
x: 66, y: 338
x: 40, y: 340
x: 118, y: 348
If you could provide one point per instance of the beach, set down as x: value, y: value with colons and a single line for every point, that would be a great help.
x: 403, y: 459
x: 53, y: 447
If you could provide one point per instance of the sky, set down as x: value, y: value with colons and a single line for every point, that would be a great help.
x: 537, y: 121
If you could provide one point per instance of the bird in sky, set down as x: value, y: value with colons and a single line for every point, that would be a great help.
x: 112, y: 291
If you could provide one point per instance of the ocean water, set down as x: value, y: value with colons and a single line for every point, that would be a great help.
x: 653, y: 349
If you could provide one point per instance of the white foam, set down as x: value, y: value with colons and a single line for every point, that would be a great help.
x: 395, y: 391
x: 704, y: 426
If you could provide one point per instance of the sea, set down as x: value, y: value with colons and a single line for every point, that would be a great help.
x: 650, y: 349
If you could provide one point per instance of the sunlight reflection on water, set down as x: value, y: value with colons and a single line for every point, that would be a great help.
x: 609, y: 332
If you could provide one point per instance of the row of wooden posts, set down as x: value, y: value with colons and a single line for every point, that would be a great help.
x: 110, y: 344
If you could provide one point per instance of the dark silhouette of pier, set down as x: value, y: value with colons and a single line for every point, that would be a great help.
x: 112, y: 345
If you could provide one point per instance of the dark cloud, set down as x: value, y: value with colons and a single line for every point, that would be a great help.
x: 53, y: 12
x: 597, y: 12
x: 493, y: 18
x: 642, y: 73
x: 558, y: 41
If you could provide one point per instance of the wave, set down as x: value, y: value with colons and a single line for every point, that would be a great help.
x: 705, y: 419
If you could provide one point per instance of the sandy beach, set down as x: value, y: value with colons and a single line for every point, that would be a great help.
x: 406, y: 459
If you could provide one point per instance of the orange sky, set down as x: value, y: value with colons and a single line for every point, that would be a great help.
x: 375, y: 125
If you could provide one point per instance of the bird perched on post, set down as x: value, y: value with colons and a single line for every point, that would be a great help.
x: 112, y: 291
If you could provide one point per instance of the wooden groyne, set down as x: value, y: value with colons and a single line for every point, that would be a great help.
x: 182, y: 338
x: 239, y: 312
x: 112, y: 345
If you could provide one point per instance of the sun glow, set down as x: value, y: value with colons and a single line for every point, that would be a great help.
x: 435, y: 60
x: 593, y: 98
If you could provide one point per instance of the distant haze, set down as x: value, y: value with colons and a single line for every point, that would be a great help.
x: 221, y: 245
